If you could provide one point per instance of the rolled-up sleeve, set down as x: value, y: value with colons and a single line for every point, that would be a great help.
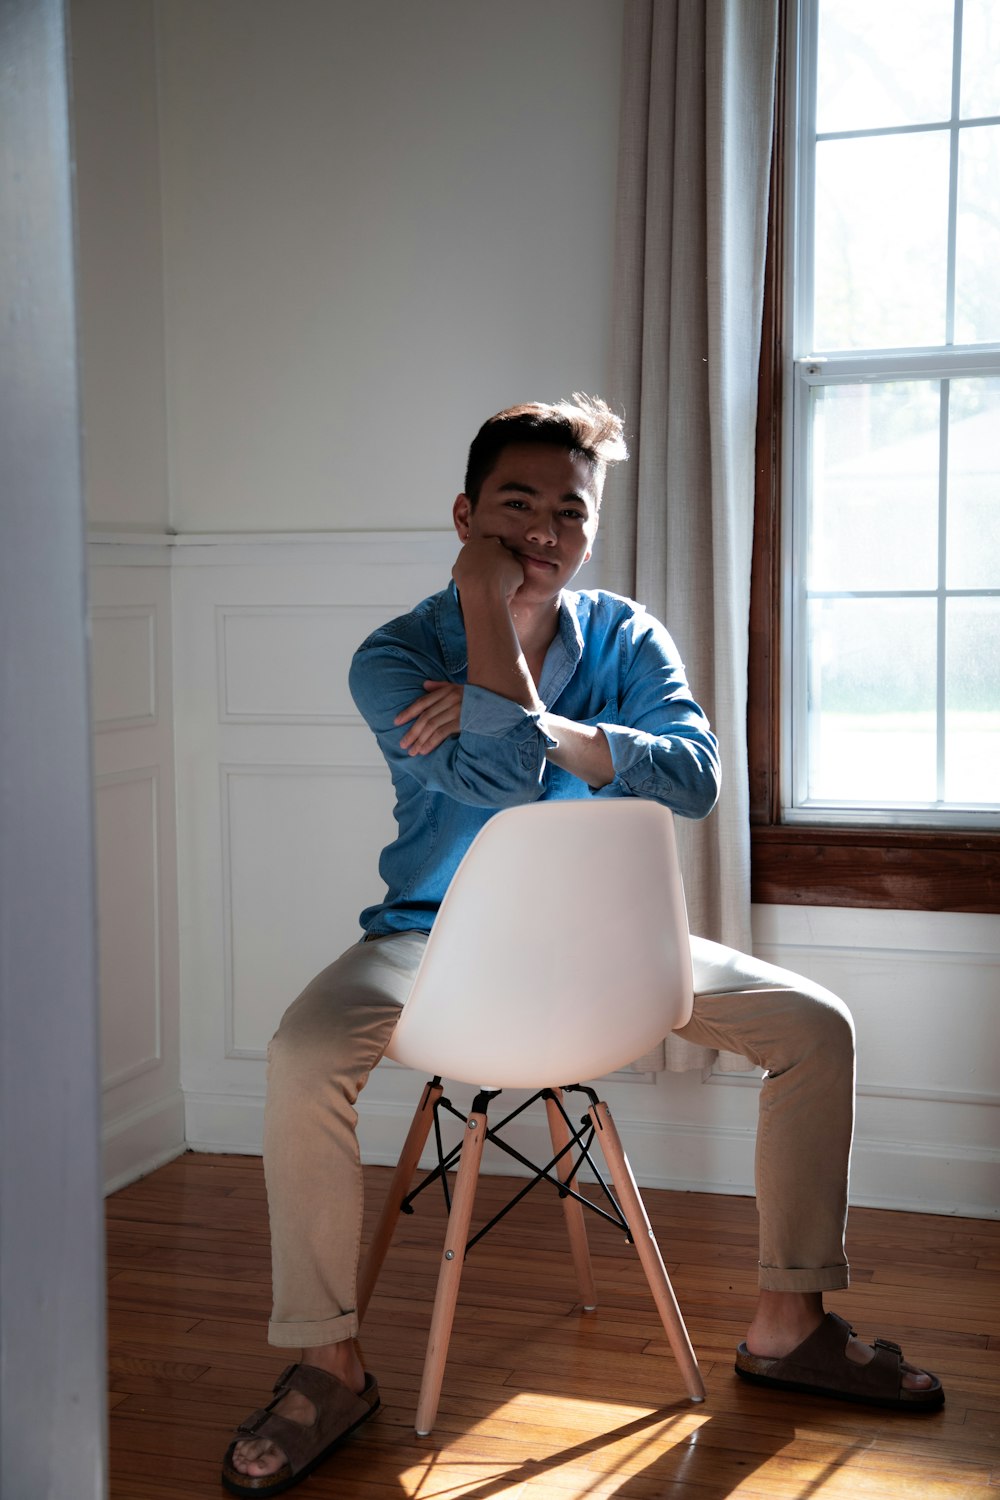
x: 661, y: 745
x: 496, y: 760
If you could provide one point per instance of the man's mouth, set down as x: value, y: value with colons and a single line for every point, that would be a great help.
x: 537, y: 562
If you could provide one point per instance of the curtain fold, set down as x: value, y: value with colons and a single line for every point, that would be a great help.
x: 677, y: 523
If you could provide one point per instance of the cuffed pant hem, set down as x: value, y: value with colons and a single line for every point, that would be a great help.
x: 312, y: 1334
x: 802, y: 1279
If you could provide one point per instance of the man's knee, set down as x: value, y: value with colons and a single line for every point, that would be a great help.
x: 822, y: 1027
x: 330, y: 1037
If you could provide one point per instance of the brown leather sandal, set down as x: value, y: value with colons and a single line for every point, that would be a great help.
x: 820, y: 1367
x: 338, y: 1412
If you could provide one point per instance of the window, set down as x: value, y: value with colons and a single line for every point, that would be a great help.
x: 875, y: 633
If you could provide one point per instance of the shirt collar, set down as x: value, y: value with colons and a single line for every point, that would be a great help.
x: 451, y: 630
x: 563, y: 656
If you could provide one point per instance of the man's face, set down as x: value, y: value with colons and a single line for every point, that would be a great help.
x: 541, y: 503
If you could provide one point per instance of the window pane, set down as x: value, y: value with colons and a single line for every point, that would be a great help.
x: 887, y: 63
x: 980, y: 58
x: 875, y: 481
x: 977, y: 286
x: 974, y: 484
x: 973, y: 701
x: 872, y: 700
x: 881, y: 242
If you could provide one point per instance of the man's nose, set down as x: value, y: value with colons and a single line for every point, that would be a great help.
x: 541, y: 529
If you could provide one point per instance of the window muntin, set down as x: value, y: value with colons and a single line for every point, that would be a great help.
x: 892, y: 657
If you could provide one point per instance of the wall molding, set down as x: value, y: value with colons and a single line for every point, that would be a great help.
x: 676, y: 1157
x: 147, y: 717
x: 128, y: 550
x: 138, y: 775
x: 875, y: 933
x: 881, y: 953
x: 434, y: 547
x: 871, y: 1090
x: 378, y: 613
x: 143, y: 1139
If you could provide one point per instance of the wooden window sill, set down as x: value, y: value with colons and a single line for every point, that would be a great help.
x: 899, y: 869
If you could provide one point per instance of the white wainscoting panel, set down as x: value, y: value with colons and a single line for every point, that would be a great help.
x: 131, y: 673
x: 129, y: 928
x: 284, y: 800
x: 297, y: 869
x: 290, y: 665
x: 123, y: 667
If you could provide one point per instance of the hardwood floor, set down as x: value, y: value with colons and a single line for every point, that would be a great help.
x: 539, y: 1398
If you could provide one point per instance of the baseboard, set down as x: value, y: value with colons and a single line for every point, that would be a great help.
x: 700, y: 1160
x: 138, y: 1142
x: 963, y: 1181
x: 232, y: 1123
x: 679, y: 1157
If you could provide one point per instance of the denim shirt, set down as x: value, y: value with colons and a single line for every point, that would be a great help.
x: 611, y: 664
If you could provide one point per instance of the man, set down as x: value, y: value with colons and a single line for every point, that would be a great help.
x: 509, y: 687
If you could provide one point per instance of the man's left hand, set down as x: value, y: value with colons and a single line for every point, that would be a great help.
x: 432, y: 718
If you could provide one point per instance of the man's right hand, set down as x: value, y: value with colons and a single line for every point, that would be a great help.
x: 485, y: 565
x: 433, y: 718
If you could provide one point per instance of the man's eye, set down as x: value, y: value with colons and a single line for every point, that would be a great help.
x: 575, y: 515
x: 516, y: 504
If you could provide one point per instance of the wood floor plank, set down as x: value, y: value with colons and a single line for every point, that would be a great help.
x: 540, y: 1400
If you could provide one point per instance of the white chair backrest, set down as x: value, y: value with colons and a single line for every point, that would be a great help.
x: 560, y: 952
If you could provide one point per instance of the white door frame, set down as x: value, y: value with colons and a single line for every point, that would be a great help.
x: 52, y: 1354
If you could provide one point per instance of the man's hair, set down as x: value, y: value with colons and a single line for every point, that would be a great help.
x: 586, y: 425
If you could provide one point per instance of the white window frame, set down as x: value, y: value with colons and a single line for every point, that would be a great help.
x: 806, y: 368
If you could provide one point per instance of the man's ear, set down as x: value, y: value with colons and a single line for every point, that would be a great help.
x: 460, y: 513
x: 590, y: 550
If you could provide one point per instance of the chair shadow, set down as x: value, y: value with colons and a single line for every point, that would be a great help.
x: 685, y: 1459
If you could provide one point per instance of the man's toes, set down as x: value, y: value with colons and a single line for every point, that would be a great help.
x: 914, y: 1379
x: 257, y: 1459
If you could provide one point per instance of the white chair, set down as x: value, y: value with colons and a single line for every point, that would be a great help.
x: 560, y: 952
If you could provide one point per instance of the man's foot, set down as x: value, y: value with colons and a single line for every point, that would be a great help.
x: 829, y: 1361
x: 260, y: 1457
x: 775, y: 1333
x: 311, y: 1413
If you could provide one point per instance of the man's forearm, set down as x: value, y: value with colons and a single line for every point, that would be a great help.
x: 581, y: 749
x: 496, y: 661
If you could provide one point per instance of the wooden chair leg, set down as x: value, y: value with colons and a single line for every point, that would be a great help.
x: 649, y: 1254
x: 450, y: 1274
x: 576, y: 1226
x: 402, y: 1177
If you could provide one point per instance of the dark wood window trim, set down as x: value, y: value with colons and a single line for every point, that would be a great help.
x: 797, y: 864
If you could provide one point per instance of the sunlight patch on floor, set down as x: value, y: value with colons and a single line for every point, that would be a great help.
x: 569, y: 1448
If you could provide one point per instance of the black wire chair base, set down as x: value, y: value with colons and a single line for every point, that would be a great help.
x: 581, y: 1138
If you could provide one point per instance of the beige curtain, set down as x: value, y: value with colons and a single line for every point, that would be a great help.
x: 677, y: 527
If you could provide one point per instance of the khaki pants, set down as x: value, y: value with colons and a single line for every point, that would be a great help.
x: 338, y: 1028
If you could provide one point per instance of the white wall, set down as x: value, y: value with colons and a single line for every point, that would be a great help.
x: 403, y: 204
x: 119, y: 264
x: 383, y: 222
